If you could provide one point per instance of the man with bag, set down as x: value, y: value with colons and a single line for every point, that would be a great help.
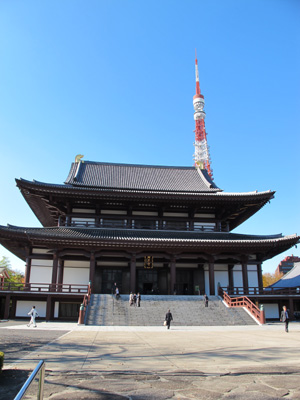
x: 168, y: 319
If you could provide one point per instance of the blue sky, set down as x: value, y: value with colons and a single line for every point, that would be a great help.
x: 114, y: 80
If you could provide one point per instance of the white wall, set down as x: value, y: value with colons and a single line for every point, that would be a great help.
x: 41, y: 272
x: 237, y: 276
x: 252, y: 276
x: 79, y: 276
x: 23, y: 308
x: 221, y: 276
x: 271, y: 310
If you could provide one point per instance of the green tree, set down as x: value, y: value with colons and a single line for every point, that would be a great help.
x: 269, y: 279
x: 14, y: 275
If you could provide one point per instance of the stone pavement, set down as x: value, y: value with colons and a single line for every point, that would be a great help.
x: 244, y: 362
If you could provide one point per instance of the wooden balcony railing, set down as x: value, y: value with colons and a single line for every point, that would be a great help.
x: 244, y: 302
x: 43, y: 287
x: 236, y: 291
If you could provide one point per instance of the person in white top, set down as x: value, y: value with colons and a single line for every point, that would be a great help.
x: 33, y: 313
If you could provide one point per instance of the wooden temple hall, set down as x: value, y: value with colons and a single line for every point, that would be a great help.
x: 149, y: 229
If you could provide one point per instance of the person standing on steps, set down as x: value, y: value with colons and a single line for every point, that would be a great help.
x: 169, y: 318
x: 33, y: 314
x: 130, y: 299
x: 205, y: 300
x: 285, y: 318
x: 138, y: 300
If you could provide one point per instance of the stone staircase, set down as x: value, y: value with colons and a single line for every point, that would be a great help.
x: 105, y: 310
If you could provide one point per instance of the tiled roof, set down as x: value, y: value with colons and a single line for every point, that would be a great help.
x: 140, y: 177
x: 290, y: 279
x: 138, y: 234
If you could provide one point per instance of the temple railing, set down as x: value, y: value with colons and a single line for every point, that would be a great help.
x: 244, y: 302
x: 252, y: 291
x: 43, y: 287
x: 138, y: 224
x: 84, y: 306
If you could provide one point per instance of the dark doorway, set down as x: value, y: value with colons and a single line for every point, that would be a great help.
x: 147, y: 288
x: 109, y: 277
x: 184, y: 282
x: 147, y: 281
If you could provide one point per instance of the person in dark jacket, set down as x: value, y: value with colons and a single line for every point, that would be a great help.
x: 138, y: 300
x: 285, y: 318
x: 206, y: 300
x: 169, y: 318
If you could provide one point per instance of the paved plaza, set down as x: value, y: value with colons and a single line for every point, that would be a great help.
x: 91, y: 362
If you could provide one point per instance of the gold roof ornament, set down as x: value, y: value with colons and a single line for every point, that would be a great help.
x: 78, y: 158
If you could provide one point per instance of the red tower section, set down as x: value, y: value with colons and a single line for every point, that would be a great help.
x: 201, y: 155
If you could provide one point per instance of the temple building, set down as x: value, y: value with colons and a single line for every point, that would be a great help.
x: 152, y: 229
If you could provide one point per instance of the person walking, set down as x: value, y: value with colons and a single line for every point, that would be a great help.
x: 117, y: 293
x: 205, y: 300
x: 169, y: 318
x: 285, y: 318
x: 33, y: 313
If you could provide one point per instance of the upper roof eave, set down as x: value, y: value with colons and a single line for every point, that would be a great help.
x: 23, y: 183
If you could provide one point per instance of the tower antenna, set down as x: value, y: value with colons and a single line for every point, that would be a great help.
x: 201, y: 155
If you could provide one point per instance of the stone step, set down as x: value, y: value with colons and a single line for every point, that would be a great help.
x: 105, y: 310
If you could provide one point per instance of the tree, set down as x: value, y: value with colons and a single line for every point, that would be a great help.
x: 14, y: 276
x: 269, y: 279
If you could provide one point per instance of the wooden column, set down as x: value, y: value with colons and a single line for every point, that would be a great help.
x: 6, y: 306
x: 133, y: 273
x: 54, y: 272
x: 60, y: 274
x: 92, y: 268
x: 259, y: 277
x: 48, y: 309
x: 173, y: 275
x: 211, y: 272
x: 245, y: 274
x: 291, y: 308
x: 27, y: 270
x: 230, y: 277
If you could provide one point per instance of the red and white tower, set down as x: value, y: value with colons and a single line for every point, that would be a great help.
x: 201, y: 155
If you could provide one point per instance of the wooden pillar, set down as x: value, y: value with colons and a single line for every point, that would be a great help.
x: 48, y: 309
x: 245, y: 274
x: 211, y: 273
x: 7, y: 306
x: 133, y: 273
x: 291, y: 308
x: 54, y: 272
x: 92, y: 268
x: 173, y: 275
x: 259, y: 277
x: 60, y: 274
x: 230, y: 278
x: 27, y: 273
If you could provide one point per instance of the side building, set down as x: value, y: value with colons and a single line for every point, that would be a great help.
x: 150, y: 229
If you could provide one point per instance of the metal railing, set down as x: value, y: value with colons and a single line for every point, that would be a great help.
x: 40, y: 368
